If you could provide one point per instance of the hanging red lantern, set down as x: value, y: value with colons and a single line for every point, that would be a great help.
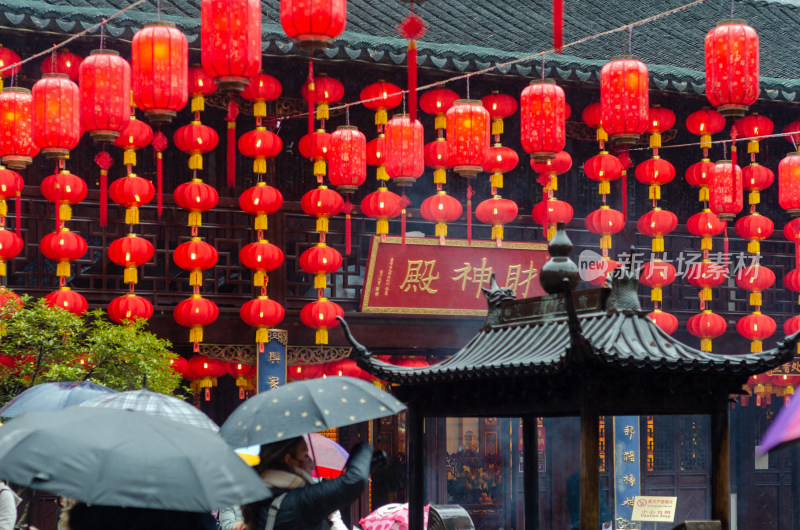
x: 655, y: 172
x: 755, y: 127
x: 347, y: 159
x: 261, y: 257
x: 792, y: 131
x: 697, y: 175
x: 315, y: 147
x: 405, y: 149
x: 656, y: 274
x: 497, y: 212
x: 195, y: 256
x: 725, y: 192
x: 436, y: 158
x: 262, y: 88
x: 343, y: 367
x: 321, y: 315
x: 656, y: 224
x: 67, y: 299
x: 322, y: 203
x: 260, y: 144
x: 11, y: 185
x: 380, y: 97
x: 381, y: 205
x: 437, y: 102
x: 195, y: 313
x: 440, y: 209
x: 327, y: 90
x: 499, y: 160
x: 201, y: 85
x: 61, y: 61
x: 135, y: 136
x: 63, y: 247
x: 706, y: 275
x: 604, y: 222
x: 500, y: 106
x: 792, y: 326
x: 659, y: 120
x: 243, y: 373
x: 131, y: 192
x: 195, y: 140
x: 603, y: 168
x: 17, y: 147
x: 261, y: 200
x: 754, y: 228
x: 203, y: 373
x: 705, y: 224
x: 10, y: 247
x: 791, y: 280
x: 56, y: 115
x: 755, y: 279
x: 789, y: 184
x: 262, y: 314
x: 8, y: 58
x: 559, y: 165
x: 320, y: 260
x: 704, y: 123
x: 551, y: 212
x: 755, y: 178
x: 230, y: 41
x: 197, y: 197
x: 592, y: 116
x: 542, y: 119
x: 756, y: 327
x: 160, y: 71
x: 624, y: 99
x: 130, y: 252
x: 467, y: 136
x: 128, y: 308
x: 732, y: 67
x: 313, y: 24
x: 666, y: 321
x: 64, y: 189
x: 706, y: 326
x: 105, y: 91
x: 376, y: 156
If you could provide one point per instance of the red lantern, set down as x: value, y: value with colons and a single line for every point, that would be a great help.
x: 313, y: 24
x: 656, y: 274
x: 666, y: 321
x: 230, y: 41
x: 659, y: 120
x: 755, y: 279
x: 755, y: 178
x: 260, y: 144
x: 321, y: 315
x: 105, y: 90
x: 551, y: 212
x: 320, y: 260
x: 792, y: 326
x: 11, y: 185
x: 322, y: 203
x: 542, y: 119
x: 706, y: 326
x: 704, y: 123
x: 791, y: 280
x: 500, y: 106
x: 8, y: 58
x: 327, y: 90
x: 725, y: 192
x: 732, y: 67
x: 656, y: 224
x: 347, y: 159
x: 63, y: 247
x: 195, y: 140
x: 134, y: 137
x: 130, y: 252
x: 160, y: 71
x: 497, y: 212
x: 592, y: 115
x: 64, y: 189
x: 604, y: 222
x: 60, y: 61
x: 467, y: 136
x: 262, y: 88
x: 244, y: 376
x: 17, y: 147
x: 794, y: 128
x: 697, y: 175
x: 754, y: 127
x: 261, y: 200
x: 261, y: 257
x: 756, y: 327
x: 56, y: 115
x: 436, y: 158
x: 10, y: 247
x: 380, y: 97
x: 499, y: 160
x: 195, y: 256
x: 69, y: 300
x: 603, y: 168
x: 558, y: 165
x: 405, y: 149
x: 197, y: 197
x: 624, y: 99
x: 129, y: 308
x: 440, y: 209
x: 131, y: 192
x: 705, y: 224
x: 203, y: 372
x: 180, y: 365
x: 437, y: 102
x: 789, y: 184
x: 754, y: 228
x: 200, y: 85
x: 381, y: 205
x: 262, y: 314
x: 706, y: 275
x: 655, y: 172
x: 195, y: 313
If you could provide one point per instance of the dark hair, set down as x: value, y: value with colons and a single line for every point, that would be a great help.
x: 272, y: 455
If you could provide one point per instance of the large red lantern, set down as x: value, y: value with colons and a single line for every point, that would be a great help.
x: 63, y: 247
x: 497, y: 212
x: 195, y: 140
x: 261, y: 200
x: 195, y: 256
x: 437, y: 102
x: 789, y: 184
x: 197, y: 197
x: 230, y: 41
x: 56, y: 115
x: 381, y: 205
x: 61, y: 61
x: 756, y: 327
x: 542, y: 119
x: 624, y: 99
x: 656, y: 274
x: 322, y: 203
x: 704, y: 123
x: 320, y: 260
x: 380, y: 97
x: 64, y: 189
x: 262, y: 314
x: 135, y: 136
x: 725, y: 190
x: 706, y: 326
x: 105, y: 89
x: 129, y: 307
x: 160, y: 71
x: 656, y: 224
x: 67, y: 299
x: 10, y: 247
x: 321, y: 315
x: 754, y: 228
x: 604, y: 222
x: 17, y: 147
x: 347, y: 159
x: 440, y: 209
x: 500, y: 106
x: 405, y: 149
x: 261, y: 257
x: 313, y: 24
x: 131, y: 192
x: 755, y: 279
x: 732, y: 67
x: 195, y: 313
x: 467, y: 136
x: 130, y: 252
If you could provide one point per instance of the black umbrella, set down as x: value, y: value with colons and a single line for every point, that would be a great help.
x: 123, y: 458
x: 304, y: 407
x: 53, y: 396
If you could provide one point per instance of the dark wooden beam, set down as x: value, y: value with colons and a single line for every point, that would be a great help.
x: 720, y: 464
x: 416, y: 469
x: 530, y: 476
x: 590, y: 465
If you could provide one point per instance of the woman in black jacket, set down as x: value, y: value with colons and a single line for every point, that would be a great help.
x: 298, y: 502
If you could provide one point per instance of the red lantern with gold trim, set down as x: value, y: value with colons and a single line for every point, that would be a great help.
x: 754, y: 127
x: 655, y: 172
x: 63, y: 247
x: 792, y: 326
x: 543, y: 131
x: 320, y: 260
x: 61, y: 61
x: 64, y: 189
x: 436, y: 158
x: 656, y: 224
x: 201, y: 85
x: 262, y: 313
x: 467, y: 136
x: 440, y: 209
x: 135, y: 136
x: 706, y: 275
x: 552, y: 211
x: 756, y: 327
x: 732, y: 67
x: 10, y: 247
x: 129, y: 307
x: 195, y: 256
x: 262, y: 88
x: 197, y: 197
x: 56, y: 115
x: 754, y: 228
x: 160, y: 71
x: 500, y: 107
x: 105, y: 90
x: 380, y: 97
x: 260, y: 144
x: 11, y: 185
x: 131, y: 192
x: 322, y: 203
x: 261, y: 200
x: 755, y: 178
x: 624, y: 99
x: 405, y: 149
x: 604, y: 222
x: 7, y: 58
x: 789, y: 184
x: 755, y: 279
x: 203, y: 373
x: 195, y: 313
x: 438, y: 101
x: 603, y: 168
x: 666, y: 321
x: 67, y: 299
x: 499, y: 160
x: 347, y: 159
x: 195, y: 140
x: 381, y: 205
x: 656, y: 274
x: 261, y: 257
x: 130, y: 252
x: 230, y: 41
x: 17, y: 147
x: 706, y: 326
x: 497, y: 212
x: 725, y: 192
x: 660, y: 120
x: 704, y: 123
x: 313, y: 24
x: 321, y: 315
x: 327, y: 90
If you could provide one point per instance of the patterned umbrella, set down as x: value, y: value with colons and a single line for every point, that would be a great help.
x: 391, y: 517
x: 784, y: 429
x: 53, y: 396
x: 329, y: 457
x: 155, y: 404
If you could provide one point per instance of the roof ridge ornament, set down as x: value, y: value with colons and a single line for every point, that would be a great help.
x: 495, y: 296
x: 624, y: 284
x: 559, y: 267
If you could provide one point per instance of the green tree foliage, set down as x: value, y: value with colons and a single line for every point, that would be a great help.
x: 39, y: 344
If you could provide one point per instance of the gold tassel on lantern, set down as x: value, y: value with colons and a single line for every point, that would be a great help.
x: 130, y: 275
x: 705, y: 345
x: 132, y: 215
x: 755, y: 346
x: 260, y: 166
x: 655, y: 294
x: 260, y: 109
x: 705, y: 294
x: 129, y: 157
x: 705, y: 141
x: 602, y: 135
x: 440, y: 230
x: 382, y: 226
x: 259, y: 278
x: 754, y: 247
x: 654, y: 192
x: 497, y: 232
x: 604, y: 187
x: 261, y: 222
x: 195, y: 218
x: 752, y: 147
x: 196, y: 161
x: 319, y: 167
x: 497, y: 126
x: 63, y: 268
x: 2, y: 268
x: 381, y: 117
x: 440, y: 122
x: 439, y: 176
x: 322, y: 336
x: 551, y: 231
x: 754, y: 197
x: 655, y: 140
x: 262, y: 335
x: 658, y: 244
x: 3, y: 208
x: 705, y: 243
x: 755, y: 298
x: 381, y: 173
x: 198, y: 104
x: 196, y: 334
x: 553, y: 182
x: 605, y: 242
x: 497, y: 180
x: 196, y: 277
x: 65, y: 212
x: 322, y: 224
x: 320, y: 281
x: 703, y: 194
x: 322, y: 111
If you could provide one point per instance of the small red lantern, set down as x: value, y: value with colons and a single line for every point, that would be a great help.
x: 261, y: 257
x: 197, y: 197
x: 203, y: 372
x: 376, y: 156
x: 261, y: 200
x: 321, y: 315
x: 244, y: 376
x: 56, y: 115
x: 130, y: 252
x: 706, y: 275
x: 135, y: 136
x: 756, y: 327
x: 262, y: 314
x: 320, y: 260
x: 500, y: 106
x: 542, y: 119
x: 131, y: 192
x: 63, y: 247
x: 551, y: 212
x: 592, y: 116
x: 195, y: 140
x: 655, y: 172
x: 128, y: 308
x: 61, y: 61
x: 755, y: 178
x: 230, y: 41
x: 755, y: 279
x: 697, y: 175
x: 754, y: 228
x: 706, y: 326
x: 704, y: 123
x: 200, y: 85
x: 327, y: 90
x: 499, y: 160
x: 604, y: 222
x: 315, y: 147
x: 7, y: 58
x: 322, y: 203
x: 705, y: 225
x: 381, y: 205
x: 754, y: 127
x: 497, y: 212
x: 64, y: 189
x: 789, y: 184
x: 603, y: 168
x: 792, y: 131
x: 195, y: 256
x: 67, y: 299
x: 732, y: 67
x: 405, y: 149
x: 791, y: 280
x: 160, y: 70
x: 380, y: 97
x: 467, y: 136
x: 17, y: 147
x: 260, y: 144
x: 660, y: 120
x: 436, y: 158
x: 624, y: 99
x: 725, y: 192
x: 656, y: 224
x: 440, y: 209
x: 656, y: 274
x: 195, y: 313
x: 105, y: 90
x: 437, y: 102
x: 558, y: 165
x: 347, y: 159
x: 10, y: 247
x: 11, y: 185
x: 262, y: 88
x: 343, y: 367
x: 666, y: 321
x: 313, y: 24
x: 598, y: 272
x: 792, y: 326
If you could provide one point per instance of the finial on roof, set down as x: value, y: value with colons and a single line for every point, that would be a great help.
x: 624, y: 283
x: 495, y: 296
x: 559, y: 266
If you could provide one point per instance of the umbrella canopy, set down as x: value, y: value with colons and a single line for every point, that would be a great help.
x: 328, y: 456
x: 304, y: 407
x: 156, y: 404
x: 391, y: 517
x: 123, y: 458
x: 53, y: 396
x: 784, y: 429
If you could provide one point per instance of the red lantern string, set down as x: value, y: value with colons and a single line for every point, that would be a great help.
x: 230, y: 118
x: 348, y: 209
x: 470, y: 193
x: 558, y: 26
x: 404, y: 203
x: 104, y: 161
x: 159, y: 143
x: 412, y: 79
x: 312, y: 94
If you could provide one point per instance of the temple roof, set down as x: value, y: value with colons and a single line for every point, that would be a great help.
x: 466, y: 36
